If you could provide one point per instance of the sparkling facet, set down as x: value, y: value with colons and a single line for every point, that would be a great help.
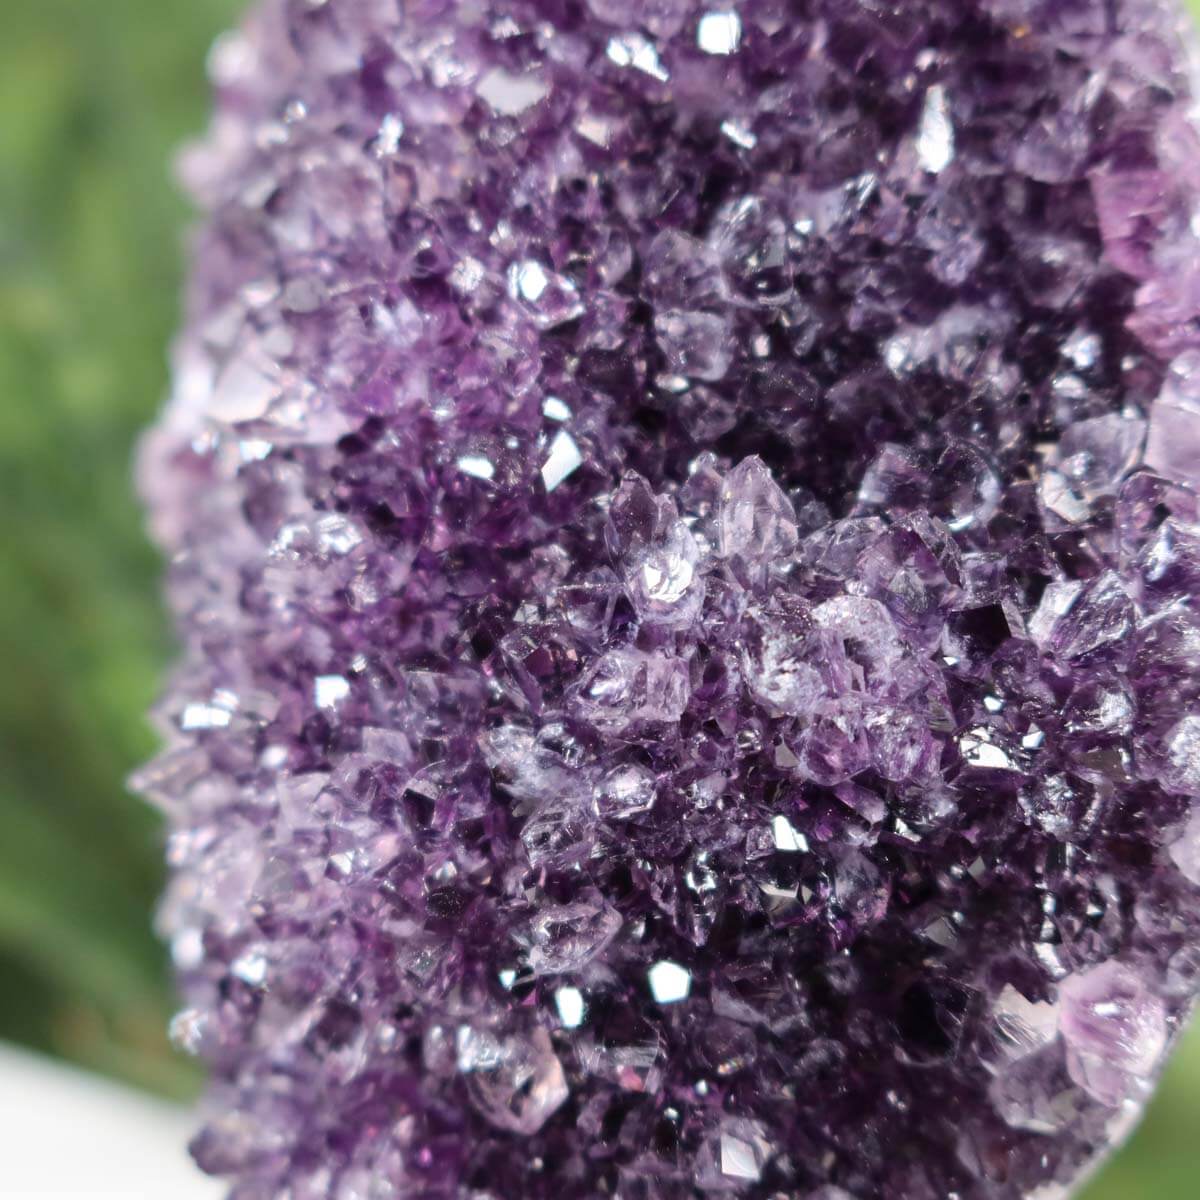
x: 669, y: 982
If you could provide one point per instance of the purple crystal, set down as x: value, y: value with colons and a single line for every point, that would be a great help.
x: 683, y: 528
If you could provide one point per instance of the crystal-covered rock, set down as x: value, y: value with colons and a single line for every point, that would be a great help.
x: 683, y: 523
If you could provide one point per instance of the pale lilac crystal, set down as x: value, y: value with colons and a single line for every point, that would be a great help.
x: 683, y: 524
x: 1174, y: 446
x: 1114, y: 1029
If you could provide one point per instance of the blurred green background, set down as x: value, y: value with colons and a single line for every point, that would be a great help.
x: 94, y: 97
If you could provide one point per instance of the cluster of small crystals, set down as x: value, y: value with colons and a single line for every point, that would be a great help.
x: 684, y: 530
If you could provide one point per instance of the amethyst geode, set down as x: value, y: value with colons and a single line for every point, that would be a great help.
x: 684, y: 530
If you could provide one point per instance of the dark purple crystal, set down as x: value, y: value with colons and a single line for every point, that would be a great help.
x: 684, y: 531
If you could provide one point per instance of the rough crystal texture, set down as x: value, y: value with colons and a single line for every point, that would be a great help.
x: 683, y: 527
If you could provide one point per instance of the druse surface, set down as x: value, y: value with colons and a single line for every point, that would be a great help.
x: 684, y: 532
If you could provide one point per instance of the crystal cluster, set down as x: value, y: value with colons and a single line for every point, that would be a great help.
x: 684, y: 531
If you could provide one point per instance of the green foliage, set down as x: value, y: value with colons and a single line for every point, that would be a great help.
x: 94, y: 97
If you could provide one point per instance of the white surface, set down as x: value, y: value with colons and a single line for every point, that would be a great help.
x: 66, y: 1134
